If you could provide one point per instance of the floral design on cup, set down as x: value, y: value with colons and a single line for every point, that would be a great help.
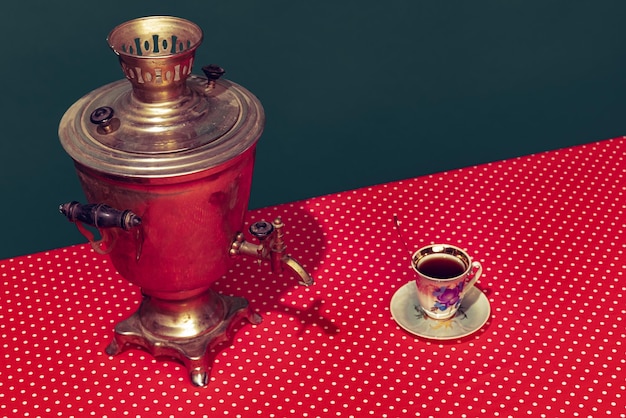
x: 448, y: 297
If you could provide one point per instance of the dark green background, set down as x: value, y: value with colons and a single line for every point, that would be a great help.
x: 356, y: 92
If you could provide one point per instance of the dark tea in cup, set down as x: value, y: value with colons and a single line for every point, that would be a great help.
x: 441, y: 266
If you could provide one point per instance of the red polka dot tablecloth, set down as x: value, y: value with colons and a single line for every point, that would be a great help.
x: 548, y: 228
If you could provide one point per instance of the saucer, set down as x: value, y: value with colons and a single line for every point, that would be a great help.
x: 471, y: 316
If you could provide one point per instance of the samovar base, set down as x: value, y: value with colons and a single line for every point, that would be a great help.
x: 195, y: 352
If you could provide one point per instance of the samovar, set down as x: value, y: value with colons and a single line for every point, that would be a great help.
x: 165, y: 159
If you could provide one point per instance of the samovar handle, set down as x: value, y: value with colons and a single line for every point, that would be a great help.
x: 102, y: 217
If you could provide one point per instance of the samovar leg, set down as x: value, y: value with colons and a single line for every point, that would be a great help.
x: 197, y: 352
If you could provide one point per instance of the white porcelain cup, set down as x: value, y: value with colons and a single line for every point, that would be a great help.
x: 445, y: 273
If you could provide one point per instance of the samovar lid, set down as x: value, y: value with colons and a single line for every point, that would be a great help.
x: 165, y: 121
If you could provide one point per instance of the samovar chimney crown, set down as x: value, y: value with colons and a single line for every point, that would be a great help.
x: 156, y: 54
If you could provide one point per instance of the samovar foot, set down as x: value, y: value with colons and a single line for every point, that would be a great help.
x: 195, y: 352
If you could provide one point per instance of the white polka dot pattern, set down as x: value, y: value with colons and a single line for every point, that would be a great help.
x: 548, y: 229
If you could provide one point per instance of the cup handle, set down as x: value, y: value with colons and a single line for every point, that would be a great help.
x: 475, y: 272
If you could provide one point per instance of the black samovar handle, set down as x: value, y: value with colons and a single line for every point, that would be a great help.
x: 102, y: 217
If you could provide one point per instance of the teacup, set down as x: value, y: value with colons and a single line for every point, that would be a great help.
x: 445, y: 273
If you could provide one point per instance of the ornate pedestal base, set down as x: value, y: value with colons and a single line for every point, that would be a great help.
x: 195, y: 351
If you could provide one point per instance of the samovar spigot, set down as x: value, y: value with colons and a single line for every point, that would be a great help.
x: 271, y: 248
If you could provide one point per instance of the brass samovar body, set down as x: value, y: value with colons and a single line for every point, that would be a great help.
x: 165, y: 159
